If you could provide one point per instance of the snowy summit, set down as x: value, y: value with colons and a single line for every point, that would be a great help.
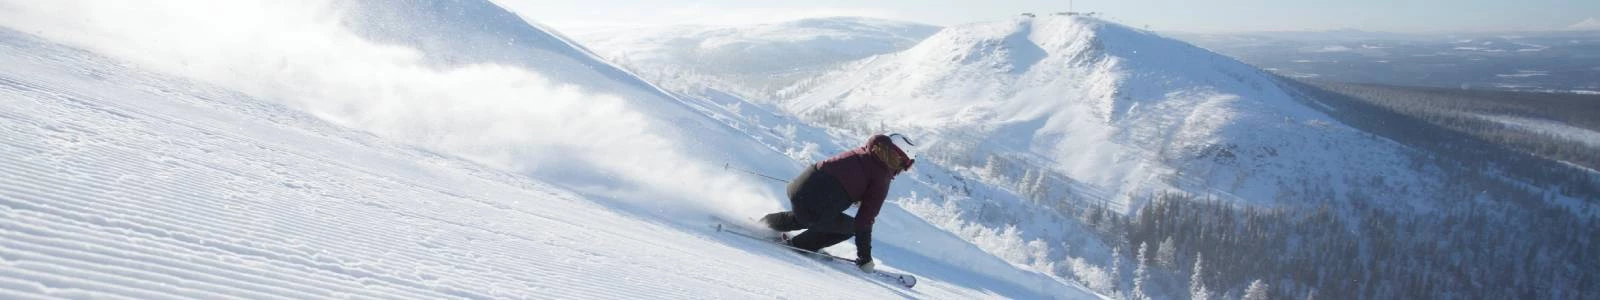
x: 1126, y: 111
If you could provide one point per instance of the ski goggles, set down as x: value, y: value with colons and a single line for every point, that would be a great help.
x: 906, y: 148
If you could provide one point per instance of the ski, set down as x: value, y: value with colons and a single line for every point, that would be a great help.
x: 904, y: 280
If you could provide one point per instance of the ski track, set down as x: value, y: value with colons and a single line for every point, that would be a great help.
x: 146, y: 187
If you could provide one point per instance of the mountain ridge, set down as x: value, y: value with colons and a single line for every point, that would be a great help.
x: 1128, y: 110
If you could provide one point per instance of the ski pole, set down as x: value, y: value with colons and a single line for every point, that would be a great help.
x: 725, y: 166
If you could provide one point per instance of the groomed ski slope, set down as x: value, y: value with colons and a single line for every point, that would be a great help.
x: 117, y: 182
x: 122, y: 183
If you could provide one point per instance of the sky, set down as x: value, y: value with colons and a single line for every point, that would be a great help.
x: 1163, y: 15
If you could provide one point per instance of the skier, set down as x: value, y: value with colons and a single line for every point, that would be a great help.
x: 819, y: 196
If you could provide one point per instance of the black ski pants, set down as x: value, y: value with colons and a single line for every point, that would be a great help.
x: 814, y: 197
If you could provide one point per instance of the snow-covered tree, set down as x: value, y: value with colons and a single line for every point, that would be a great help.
x: 1197, y: 282
x: 1141, y: 275
x: 1256, y: 291
x: 1025, y: 185
x: 990, y: 168
x: 1167, y: 254
x: 1039, y: 184
x: 1116, y: 268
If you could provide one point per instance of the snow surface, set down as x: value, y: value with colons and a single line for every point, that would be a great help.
x: 394, y: 149
x: 1524, y: 74
x: 1552, y: 128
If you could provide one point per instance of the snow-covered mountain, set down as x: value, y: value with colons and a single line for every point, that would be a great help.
x: 1029, y: 125
x: 1127, y: 113
x: 751, y: 59
x: 1587, y: 24
x: 1043, y: 138
x: 393, y: 149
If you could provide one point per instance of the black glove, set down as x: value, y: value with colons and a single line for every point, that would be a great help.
x: 863, y: 248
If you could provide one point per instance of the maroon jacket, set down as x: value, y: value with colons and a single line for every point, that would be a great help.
x: 864, y: 177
